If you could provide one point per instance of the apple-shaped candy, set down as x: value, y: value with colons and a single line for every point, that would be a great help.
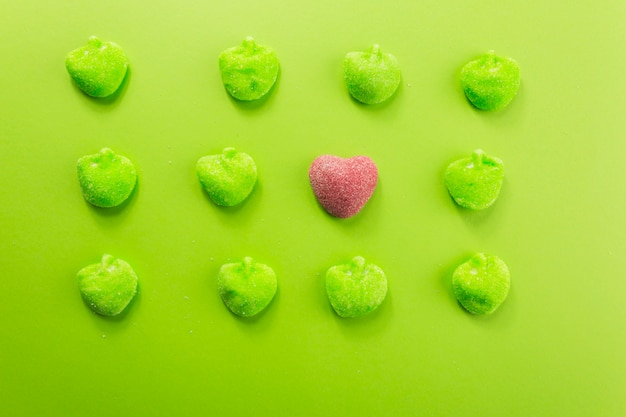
x: 491, y: 81
x: 343, y: 185
x: 228, y: 178
x: 481, y: 283
x: 371, y: 76
x: 249, y: 71
x: 106, y: 178
x: 98, y: 68
x: 355, y: 288
x: 109, y: 286
x: 475, y: 182
x: 246, y: 287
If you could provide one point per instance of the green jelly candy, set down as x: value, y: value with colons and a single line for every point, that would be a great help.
x: 106, y: 178
x: 249, y: 71
x: 98, y: 68
x: 109, y: 286
x: 482, y: 283
x: 475, y: 182
x: 371, y: 76
x: 228, y: 177
x: 355, y: 288
x: 491, y: 81
x: 246, y: 287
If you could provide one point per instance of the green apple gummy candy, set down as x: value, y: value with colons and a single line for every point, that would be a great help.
x: 491, y: 81
x: 97, y: 68
x: 246, y: 287
x: 249, y: 71
x: 481, y: 283
x: 228, y: 177
x: 371, y: 76
x: 106, y: 178
x: 109, y: 286
x: 475, y: 182
x: 355, y: 288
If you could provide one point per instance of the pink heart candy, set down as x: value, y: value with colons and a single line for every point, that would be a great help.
x: 343, y: 185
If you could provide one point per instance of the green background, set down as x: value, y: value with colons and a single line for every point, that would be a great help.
x: 555, y: 347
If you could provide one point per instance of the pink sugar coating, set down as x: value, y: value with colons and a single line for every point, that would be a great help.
x: 343, y: 185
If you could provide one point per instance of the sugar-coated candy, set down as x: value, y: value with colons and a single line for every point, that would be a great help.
x: 371, y: 76
x: 249, y: 71
x: 343, y: 185
x: 355, y: 288
x: 491, y: 81
x: 228, y: 178
x: 97, y: 68
x: 106, y: 179
x: 246, y: 287
x: 109, y: 286
x: 481, y: 283
x: 474, y: 182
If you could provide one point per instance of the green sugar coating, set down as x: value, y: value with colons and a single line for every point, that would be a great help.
x: 109, y: 286
x: 355, y: 288
x: 106, y: 178
x: 246, y: 287
x: 481, y: 283
x: 475, y: 182
x: 371, y: 76
x: 249, y: 71
x: 228, y: 177
x: 97, y: 68
x: 491, y: 81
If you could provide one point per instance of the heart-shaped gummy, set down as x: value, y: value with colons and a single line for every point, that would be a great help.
x: 343, y: 185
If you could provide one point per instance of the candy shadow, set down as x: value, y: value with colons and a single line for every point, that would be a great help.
x: 236, y: 214
x: 115, y: 212
x: 115, y: 324
x: 256, y: 104
x: 111, y: 101
x: 379, y: 106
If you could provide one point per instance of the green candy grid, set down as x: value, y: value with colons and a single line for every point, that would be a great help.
x: 250, y: 38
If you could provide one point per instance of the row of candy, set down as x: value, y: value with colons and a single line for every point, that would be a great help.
x: 354, y: 289
x: 249, y: 72
x: 342, y: 186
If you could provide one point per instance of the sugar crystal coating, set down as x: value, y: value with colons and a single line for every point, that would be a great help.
x: 343, y: 185
x: 355, y: 288
x: 249, y: 71
x: 246, y: 287
x: 228, y: 178
x: 97, y: 68
x: 371, y: 76
x: 106, y: 179
x: 491, y: 81
x: 109, y: 286
x: 475, y: 182
x: 481, y: 284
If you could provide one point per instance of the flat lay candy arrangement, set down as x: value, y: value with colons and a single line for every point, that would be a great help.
x: 342, y: 186
x: 312, y: 208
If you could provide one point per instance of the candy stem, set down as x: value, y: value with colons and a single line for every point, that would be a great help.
x: 248, y: 263
x: 107, y: 261
x: 358, y: 265
x: 249, y: 43
x: 477, y: 157
x: 94, y: 41
x: 376, y: 52
x: 229, y: 153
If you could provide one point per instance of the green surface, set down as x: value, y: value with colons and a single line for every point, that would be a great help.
x: 554, y: 348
